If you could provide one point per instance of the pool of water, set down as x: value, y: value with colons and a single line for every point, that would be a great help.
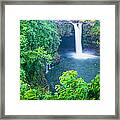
x: 87, y: 68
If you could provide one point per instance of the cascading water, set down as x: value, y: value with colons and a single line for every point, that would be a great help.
x: 78, y: 44
x: 78, y: 32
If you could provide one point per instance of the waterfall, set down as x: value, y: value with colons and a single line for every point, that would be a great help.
x: 78, y: 44
x: 78, y: 33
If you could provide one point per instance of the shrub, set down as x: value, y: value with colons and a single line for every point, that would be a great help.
x: 29, y: 93
x: 73, y: 88
x: 94, y: 88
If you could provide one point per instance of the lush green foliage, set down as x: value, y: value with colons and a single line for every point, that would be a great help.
x: 94, y: 88
x: 70, y: 88
x: 91, y: 35
x: 40, y: 34
x: 29, y: 93
x: 35, y: 66
x: 73, y: 88
x: 39, y: 42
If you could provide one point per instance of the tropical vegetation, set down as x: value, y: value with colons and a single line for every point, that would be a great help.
x: 39, y: 46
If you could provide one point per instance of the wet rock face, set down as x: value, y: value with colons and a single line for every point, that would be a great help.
x: 75, y: 21
x: 68, y: 43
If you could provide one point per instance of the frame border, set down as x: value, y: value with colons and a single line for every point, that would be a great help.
x: 61, y: 2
